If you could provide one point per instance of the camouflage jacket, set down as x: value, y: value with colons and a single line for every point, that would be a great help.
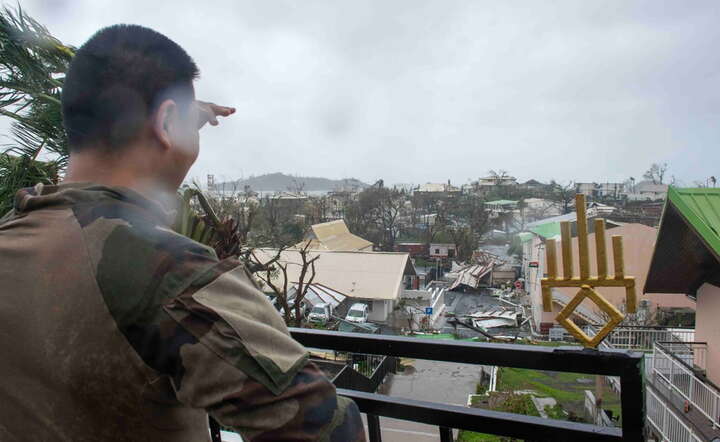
x: 115, y: 328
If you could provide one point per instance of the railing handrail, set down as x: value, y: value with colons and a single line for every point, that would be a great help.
x: 478, y: 419
x: 569, y: 359
x: 641, y: 338
x: 623, y: 363
x: 662, y: 345
x: 649, y: 327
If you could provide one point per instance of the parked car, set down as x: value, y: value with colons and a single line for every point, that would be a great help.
x: 357, y: 313
x: 321, y: 313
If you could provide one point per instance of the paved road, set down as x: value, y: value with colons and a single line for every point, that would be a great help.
x: 445, y: 382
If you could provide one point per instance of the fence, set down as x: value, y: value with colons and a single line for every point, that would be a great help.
x: 643, y: 338
x: 678, y: 376
x: 665, y: 422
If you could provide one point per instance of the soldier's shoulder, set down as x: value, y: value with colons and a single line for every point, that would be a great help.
x: 132, y: 252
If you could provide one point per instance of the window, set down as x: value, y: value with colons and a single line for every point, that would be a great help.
x: 437, y: 251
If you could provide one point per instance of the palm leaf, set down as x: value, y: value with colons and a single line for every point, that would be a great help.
x: 32, y: 69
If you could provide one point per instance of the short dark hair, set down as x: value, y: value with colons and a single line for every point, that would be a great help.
x: 116, y: 81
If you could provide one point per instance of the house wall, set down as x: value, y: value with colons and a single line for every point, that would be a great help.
x: 707, y: 328
x: 441, y: 250
x: 534, y: 250
x: 638, y: 244
x: 380, y: 309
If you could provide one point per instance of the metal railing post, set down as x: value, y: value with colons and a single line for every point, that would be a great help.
x: 446, y: 434
x: 374, y: 433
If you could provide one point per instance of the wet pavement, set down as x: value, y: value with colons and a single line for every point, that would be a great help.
x: 444, y: 382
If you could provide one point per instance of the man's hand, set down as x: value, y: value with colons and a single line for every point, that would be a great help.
x: 208, y: 113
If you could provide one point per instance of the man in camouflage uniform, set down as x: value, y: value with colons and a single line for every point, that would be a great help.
x: 112, y: 326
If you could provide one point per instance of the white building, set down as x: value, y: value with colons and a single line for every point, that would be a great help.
x: 647, y: 191
x: 374, y: 278
x: 497, y: 181
x: 442, y: 250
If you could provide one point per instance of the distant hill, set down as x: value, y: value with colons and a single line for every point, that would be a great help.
x: 277, y: 182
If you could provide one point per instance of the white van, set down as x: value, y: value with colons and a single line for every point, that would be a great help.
x: 321, y: 313
x: 357, y: 313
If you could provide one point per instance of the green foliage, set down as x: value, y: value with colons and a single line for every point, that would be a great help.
x: 564, y: 387
x: 519, y: 404
x: 32, y: 70
x: 507, y: 402
x: 555, y: 412
x: 470, y: 436
x: 188, y: 221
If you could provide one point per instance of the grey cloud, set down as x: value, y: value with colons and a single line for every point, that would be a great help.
x: 429, y: 90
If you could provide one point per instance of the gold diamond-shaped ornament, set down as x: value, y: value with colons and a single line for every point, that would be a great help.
x: 586, y: 291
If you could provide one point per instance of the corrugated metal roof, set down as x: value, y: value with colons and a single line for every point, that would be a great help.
x: 572, y: 216
x: 500, y: 203
x: 701, y: 208
x: 687, y: 251
x: 525, y: 236
x: 318, y: 293
x: 548, y: 230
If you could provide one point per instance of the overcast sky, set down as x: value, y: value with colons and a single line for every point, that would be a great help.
x: 418, y: 91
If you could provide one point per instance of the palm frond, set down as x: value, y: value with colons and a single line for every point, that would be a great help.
x: 33, y: 64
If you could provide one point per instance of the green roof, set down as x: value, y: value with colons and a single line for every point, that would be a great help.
x: 701, y: 208
x: 687, y: 250
x: 525, y: 236
x: 548, y: 230
x: 501, y: 202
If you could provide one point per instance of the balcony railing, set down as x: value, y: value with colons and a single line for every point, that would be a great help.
x: 643, y: 338
x: 666, y: 423
x: 674, y: 373
x: 624, y: 364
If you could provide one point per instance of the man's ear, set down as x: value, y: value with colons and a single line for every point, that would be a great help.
x: 165, y: 116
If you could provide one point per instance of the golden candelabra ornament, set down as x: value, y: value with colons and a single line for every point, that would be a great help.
x: 585, y: 282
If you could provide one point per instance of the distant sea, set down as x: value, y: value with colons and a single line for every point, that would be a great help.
x: 264, y: 193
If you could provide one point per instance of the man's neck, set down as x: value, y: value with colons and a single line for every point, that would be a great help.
x: 89, y: 167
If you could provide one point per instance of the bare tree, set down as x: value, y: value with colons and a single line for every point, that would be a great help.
x: 390, y: 204
x: 498, y: 175
x: 656, y: 173
x: 273, y: 273
x: 562, y: 195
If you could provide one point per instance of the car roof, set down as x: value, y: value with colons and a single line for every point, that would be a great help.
x: 359, y: 305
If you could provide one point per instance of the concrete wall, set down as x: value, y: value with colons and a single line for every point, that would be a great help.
x: 707, y: 328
